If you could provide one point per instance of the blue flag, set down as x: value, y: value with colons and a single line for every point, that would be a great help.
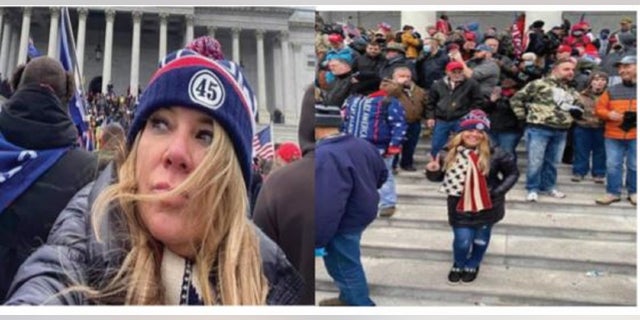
x: 32, y: 52
x: 76, y: 104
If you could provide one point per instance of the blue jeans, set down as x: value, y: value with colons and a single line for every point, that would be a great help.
x: 544, y: 152
x: 408, y: 145
x: 440, y: 134
x: 470, y: 245
x: 342, y: 261
x: 387, y: 192
x: 507, y: 141
x: 589, y: 143
x: 617, y: 151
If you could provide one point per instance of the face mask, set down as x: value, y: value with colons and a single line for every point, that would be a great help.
x: 426, y: 48
x: 576, y: 33
x: 528, y: 63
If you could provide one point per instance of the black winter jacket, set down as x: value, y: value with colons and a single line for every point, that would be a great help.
x: 445, y: 104
x: 502, y: 164
x: 73, y: 255
x: 35, y: 119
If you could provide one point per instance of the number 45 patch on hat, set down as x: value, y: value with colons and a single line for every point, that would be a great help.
x: 206, y: 89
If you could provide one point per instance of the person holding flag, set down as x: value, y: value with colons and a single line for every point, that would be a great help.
x: 40, y: 166
x: 77, y: 101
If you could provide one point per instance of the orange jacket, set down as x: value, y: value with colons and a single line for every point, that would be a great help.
x: 621, y: 99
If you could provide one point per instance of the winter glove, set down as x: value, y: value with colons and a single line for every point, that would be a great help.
x: 393, y: 150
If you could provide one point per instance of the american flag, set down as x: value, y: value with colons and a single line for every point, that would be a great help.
x: 262, y: 144
x: 76, y: 104
x: 517, y: 34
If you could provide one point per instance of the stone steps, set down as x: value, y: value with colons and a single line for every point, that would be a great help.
x: 409, y: 282
x: 553, y: 252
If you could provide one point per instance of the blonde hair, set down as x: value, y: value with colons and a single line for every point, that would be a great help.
x: 227, y: 244
x: 484, y: 153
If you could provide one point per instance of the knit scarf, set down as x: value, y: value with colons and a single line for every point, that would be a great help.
x: 465, y: 180
x: 180, y: 282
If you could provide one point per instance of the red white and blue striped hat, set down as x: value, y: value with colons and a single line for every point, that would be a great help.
x: 217, y: 88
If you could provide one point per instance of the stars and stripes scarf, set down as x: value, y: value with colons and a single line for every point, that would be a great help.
x: 465, y: 180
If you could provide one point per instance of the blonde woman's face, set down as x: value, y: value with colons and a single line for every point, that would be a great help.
x: 172, y: 145
x: 472, y: 138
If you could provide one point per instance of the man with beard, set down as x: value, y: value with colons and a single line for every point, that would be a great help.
x: 413, y: 99
x: 369, y: 65
x: 617, y: 107
x: 547, y: 106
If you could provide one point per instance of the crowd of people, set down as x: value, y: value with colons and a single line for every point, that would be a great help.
x: 568, y: 91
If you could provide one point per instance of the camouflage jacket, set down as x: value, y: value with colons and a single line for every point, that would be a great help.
x: 545, y: 102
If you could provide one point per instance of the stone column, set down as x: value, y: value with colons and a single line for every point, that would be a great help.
x: 135, y: 53
x: 235, y: 32
x: 550, y: 18
x: 110, y: 15
x: 54, y: 25
x: 82, y: 31
x: 162, y: 51
x: 262, y: 92
x: 188, y: 37
x: 286, y: 71
x: 4, y: 50
x: 211, y: 30
x: 418, y: 19
x: 24, y: 35
x: 13, y: 52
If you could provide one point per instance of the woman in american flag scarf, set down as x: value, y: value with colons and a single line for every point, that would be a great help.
x: 475, y: 176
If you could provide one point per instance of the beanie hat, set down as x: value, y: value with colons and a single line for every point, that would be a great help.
x: 453, y: 65
x: 328, y: 116
x: 216, y: 88
x: 475, y: 119
x: 208, y: 47
x: 289, y: 151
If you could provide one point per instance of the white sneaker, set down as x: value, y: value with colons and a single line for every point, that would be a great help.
x: 557, y: 194
x: 532, y: 196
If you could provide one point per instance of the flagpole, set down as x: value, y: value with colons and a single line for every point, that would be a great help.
x: 273, y: 139
x: 74, y: 56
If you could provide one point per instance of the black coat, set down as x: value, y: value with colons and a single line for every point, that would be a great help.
x: 445, y: 104
x: 35, y: 119
x: 73, y: 255
x: 502, y: 177
x: 431, y: 68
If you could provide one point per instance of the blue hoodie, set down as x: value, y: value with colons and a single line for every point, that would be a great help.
x: 348, y: 173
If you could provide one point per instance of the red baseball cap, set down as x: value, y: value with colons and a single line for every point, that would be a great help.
x: 453, y: 65
x: 289, y: 151
x: 335, y: 38
x: 563, y: 48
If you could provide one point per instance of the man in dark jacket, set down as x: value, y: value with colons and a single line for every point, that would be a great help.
x: 284, y: 209
x: 348, y: 173
x: 430, y: 66
x: 450, y: 98
x: 368, y: 65
x: 40, y: 167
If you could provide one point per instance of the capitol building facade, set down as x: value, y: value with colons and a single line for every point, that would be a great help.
x: 122, y: 45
